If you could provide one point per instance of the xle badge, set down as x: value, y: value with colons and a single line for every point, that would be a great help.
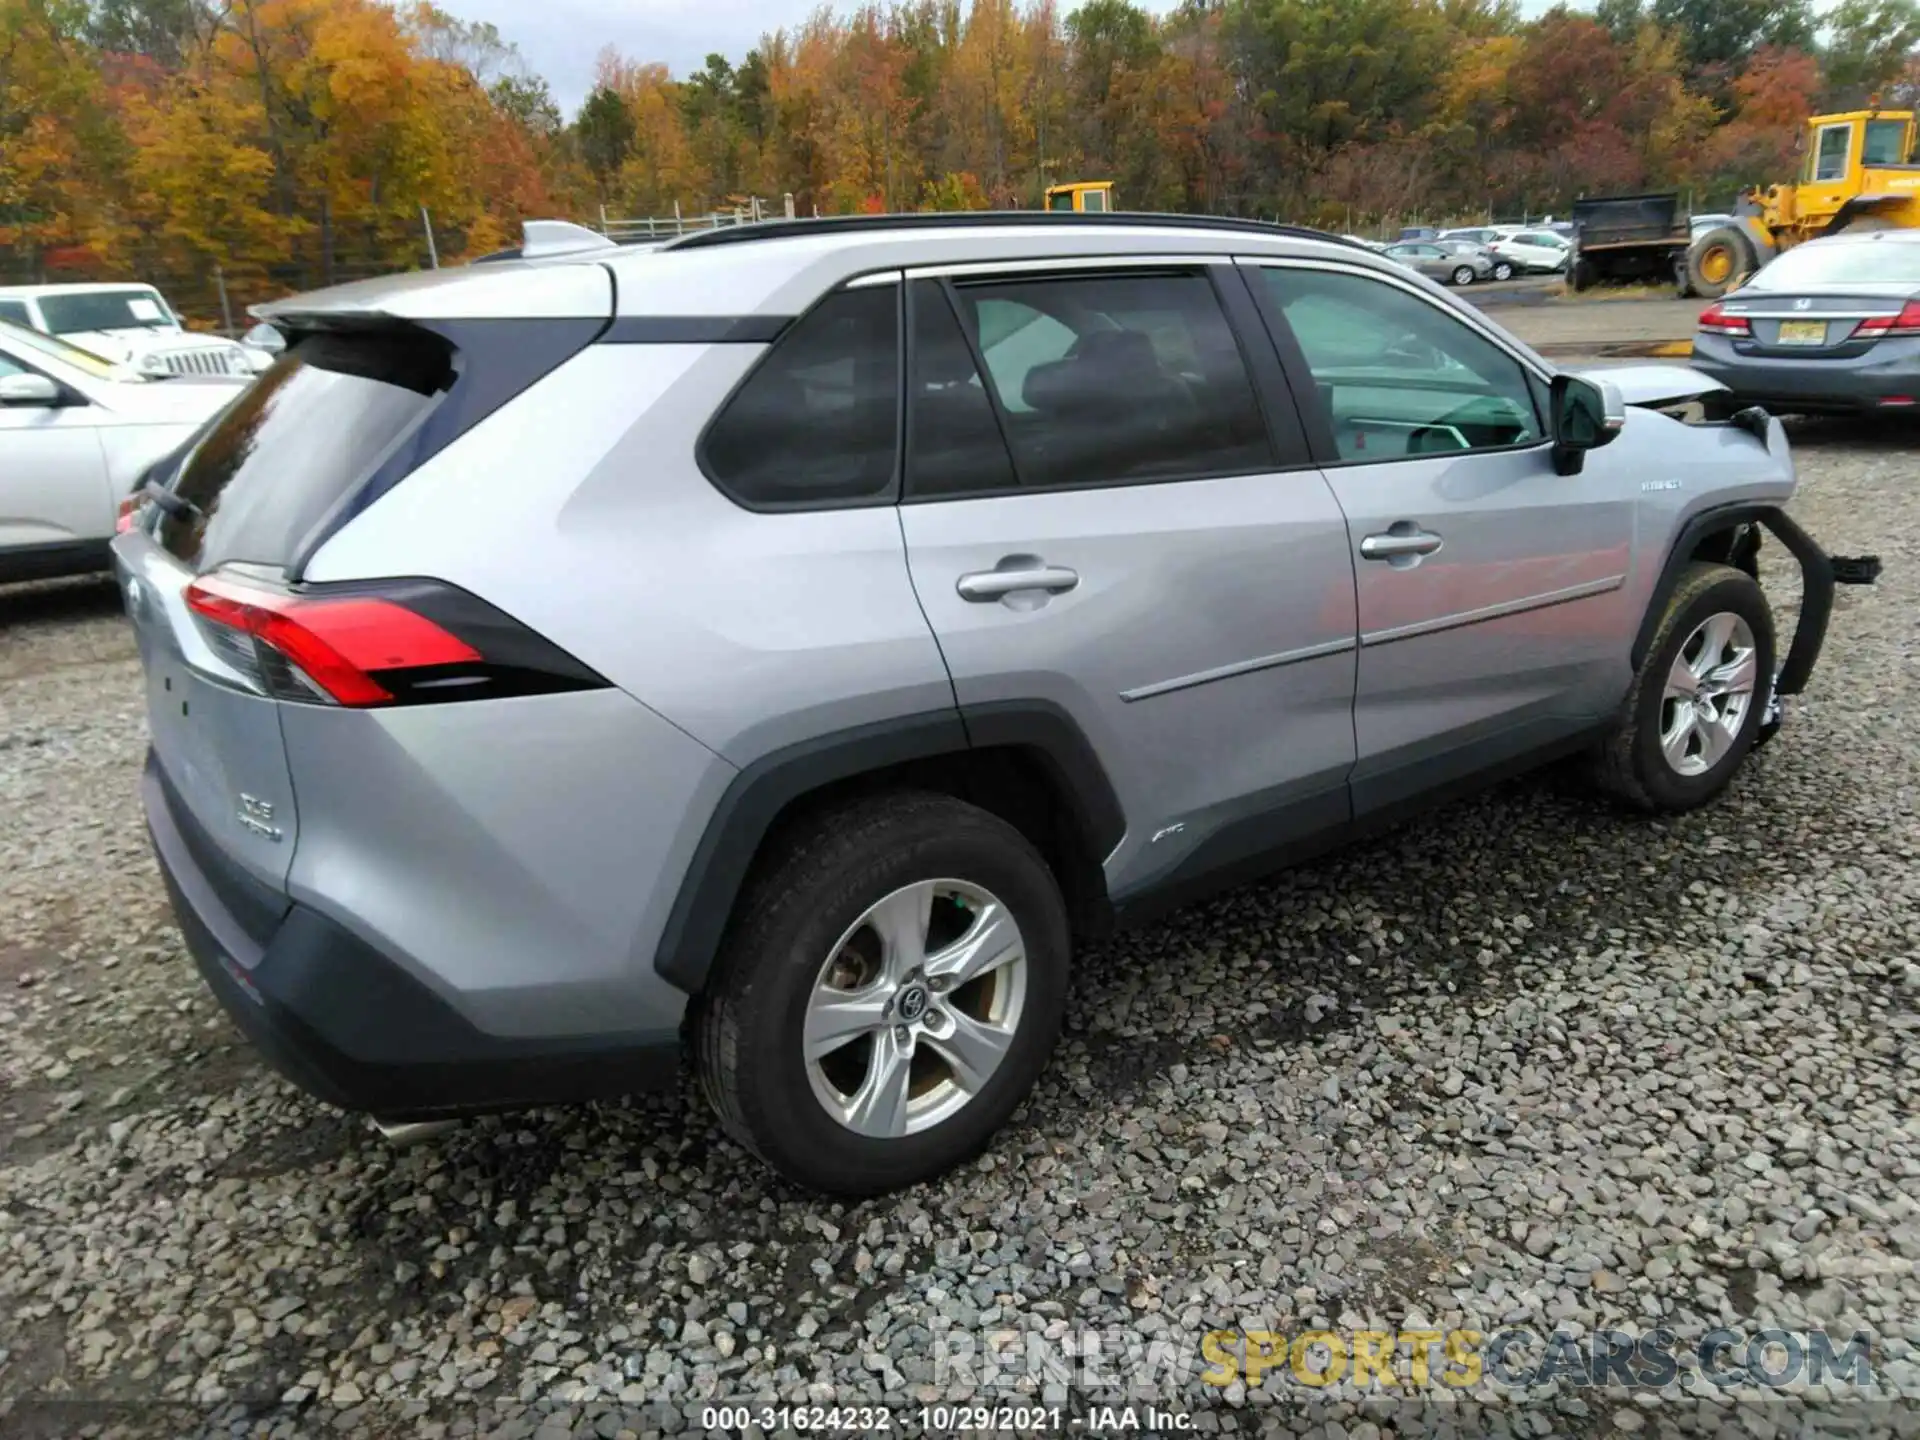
x: 257, y: 815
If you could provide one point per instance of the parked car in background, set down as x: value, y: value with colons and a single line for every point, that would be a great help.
x: 1457, y: 264
x: 1830, y: 326
x: 1363, y: 240
x: 1535, y: 252
x: 131, y: 324
x: 263, y: 340
x: 1494, y: 267
x: 1482, y: 234
x: 76, y: 434
x: 833, y: 739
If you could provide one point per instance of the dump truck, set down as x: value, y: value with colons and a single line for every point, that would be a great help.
x: 1858, y: 174
x: 1090, y: 197
x: 1628, y: 237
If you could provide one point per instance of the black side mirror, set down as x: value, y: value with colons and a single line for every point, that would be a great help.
x: 1586, y: 415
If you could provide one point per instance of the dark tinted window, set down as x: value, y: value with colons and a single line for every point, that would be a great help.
x: 954, y: 445
x: 1111, y: 378
x: 817, y: 422
x: 298, y: 441
x: 16, y: 311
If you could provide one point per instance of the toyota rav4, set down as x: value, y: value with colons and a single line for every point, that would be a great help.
x: 785, y: 646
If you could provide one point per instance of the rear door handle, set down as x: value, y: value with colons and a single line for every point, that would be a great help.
x: 985, y: 585
x: 1403, y: 539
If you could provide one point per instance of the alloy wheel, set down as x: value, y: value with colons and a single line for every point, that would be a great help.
x: 915, y: 1008
x: 1709, y: 690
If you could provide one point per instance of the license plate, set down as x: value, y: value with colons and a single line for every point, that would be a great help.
x: 1803, y: 332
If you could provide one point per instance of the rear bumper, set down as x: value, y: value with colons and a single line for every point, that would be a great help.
x: 1845, y: 386
x: 349, y: 1025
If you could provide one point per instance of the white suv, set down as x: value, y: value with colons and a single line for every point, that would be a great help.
x: 132, y: 324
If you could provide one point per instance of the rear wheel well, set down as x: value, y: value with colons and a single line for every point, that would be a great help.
x: 1017, y: 783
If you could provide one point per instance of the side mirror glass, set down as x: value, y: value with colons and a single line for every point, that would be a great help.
x: 1586, y: 415
x: 29, y: 390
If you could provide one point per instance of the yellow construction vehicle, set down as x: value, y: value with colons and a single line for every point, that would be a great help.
x: 1859, y: 174
x: 1089, y: 197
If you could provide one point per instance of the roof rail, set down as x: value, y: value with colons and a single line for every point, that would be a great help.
x: 971, y: 219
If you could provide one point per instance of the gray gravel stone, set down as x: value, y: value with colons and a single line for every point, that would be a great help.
x: 1529, y: 1061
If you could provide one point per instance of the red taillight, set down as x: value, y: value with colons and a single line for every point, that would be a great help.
x: 1879, y: 327
x: 129, y: 507
x: 337, y: 643
x: 1716, y: 321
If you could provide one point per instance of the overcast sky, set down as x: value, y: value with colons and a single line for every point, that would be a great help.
x: 561, y: 38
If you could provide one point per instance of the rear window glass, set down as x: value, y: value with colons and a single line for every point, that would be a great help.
x: 298, y: 441
x: 1850, y: 262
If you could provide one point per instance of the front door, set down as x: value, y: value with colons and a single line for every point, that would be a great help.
x: 1491, y: 599
x: 1112, y: 523
x: 53, y: 478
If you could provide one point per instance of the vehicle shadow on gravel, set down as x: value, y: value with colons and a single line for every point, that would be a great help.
x: 51, y: 601
x: 1320, y: 949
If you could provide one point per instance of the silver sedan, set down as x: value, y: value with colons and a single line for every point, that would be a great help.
x: 1449, y: 261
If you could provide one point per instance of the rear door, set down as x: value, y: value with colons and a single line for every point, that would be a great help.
x: 1111, y: 523
x: 1491, y: 589
x: 290, y: 449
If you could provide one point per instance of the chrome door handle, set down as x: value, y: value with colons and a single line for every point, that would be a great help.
x: 984, y: 585
x: 1394, y: 543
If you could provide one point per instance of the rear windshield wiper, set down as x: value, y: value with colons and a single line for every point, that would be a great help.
x: 174, y: 506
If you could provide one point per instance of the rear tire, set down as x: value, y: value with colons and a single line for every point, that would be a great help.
x: 1463, y: 275
x: 1716, y: 260
x: 1687, y: 723
x: 807, y: 949
x: 1583, y: 275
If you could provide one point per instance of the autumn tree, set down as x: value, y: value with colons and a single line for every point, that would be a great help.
x: 1871, y: 49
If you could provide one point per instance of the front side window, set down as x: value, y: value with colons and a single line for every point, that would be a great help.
x: 1886, y: 143
x: 1398, y: 376
x: 1830, y: 152
x: 817, y: 422
x: 1108, y: 378
x: 1095, y: 201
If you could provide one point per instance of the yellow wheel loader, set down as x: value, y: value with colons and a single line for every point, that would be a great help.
x: 1088, y: 197
x: 1858, y: 174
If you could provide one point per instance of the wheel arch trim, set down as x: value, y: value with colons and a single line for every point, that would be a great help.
x: 764, y: 789
x: 1816, y: 574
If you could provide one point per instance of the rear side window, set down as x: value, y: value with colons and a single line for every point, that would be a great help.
x: 16, y: 311
x: 1106, y: 379
x: 298, y: 442
x: 954, y: 444
x: 818, y: 420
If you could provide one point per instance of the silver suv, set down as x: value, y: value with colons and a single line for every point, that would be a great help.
x: 787, y: 645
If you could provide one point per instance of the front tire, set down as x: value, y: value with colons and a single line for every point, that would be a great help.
x: 1699, y: 698
x: 1717, y: 260
x: 890, y: 990
x: 1503, y: 271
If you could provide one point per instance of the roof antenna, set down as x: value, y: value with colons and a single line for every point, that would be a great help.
x: 541, y: 238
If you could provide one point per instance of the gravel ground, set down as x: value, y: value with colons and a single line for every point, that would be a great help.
x: 1531, y: 1063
